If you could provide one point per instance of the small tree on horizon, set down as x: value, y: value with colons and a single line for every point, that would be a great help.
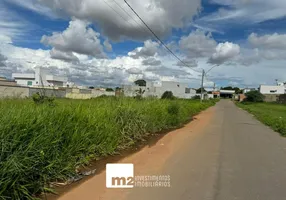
x: 198, y: 91
x: 109, y: 90
x: 168, y: 95
x: 141, y: 83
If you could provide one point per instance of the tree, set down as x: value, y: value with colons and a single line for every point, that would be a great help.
x: 227, y: 88
x: 198, y: 91
x: 168, y: 95
x: 109, y: 90
x: 254, y: 96
x: 141, y: 83
x: 236, y: 89
x: 196, y: 97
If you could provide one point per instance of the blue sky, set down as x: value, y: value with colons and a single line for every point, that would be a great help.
x: 86, y: 40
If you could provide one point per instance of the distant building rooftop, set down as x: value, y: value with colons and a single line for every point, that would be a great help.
x: 24, y: 76
x: 227, y: 91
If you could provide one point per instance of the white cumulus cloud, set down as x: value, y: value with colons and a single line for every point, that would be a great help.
x: 65, y: 56
x: 198, y: 44
x: 116, y: 19
x: 268, y: 41
x: 149, y: 49
x: 224, y: 52
x: 78, y: 38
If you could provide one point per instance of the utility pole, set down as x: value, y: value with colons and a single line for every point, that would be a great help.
x: 214, y: 87
x: 202, y: 86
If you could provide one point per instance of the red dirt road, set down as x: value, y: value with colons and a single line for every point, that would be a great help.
x: 148, y: 161
x: 225, y: 154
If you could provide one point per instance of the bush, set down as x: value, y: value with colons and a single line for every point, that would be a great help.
x: 40, y: 99
x: 196, y: 97
x: 168, y: 95
x: 254, y: 96
x: 109, y: 90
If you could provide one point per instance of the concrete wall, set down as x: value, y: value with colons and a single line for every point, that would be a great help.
x: 7, y: 83
x: 84, y: 91
x: 271, y: 97
x: 157, y: 90
x: 72, y: 93
x: 98, y: 93
x: 78, y: 96
x: 282, y: 98
x: 48, y: 92
x: 13, y: 92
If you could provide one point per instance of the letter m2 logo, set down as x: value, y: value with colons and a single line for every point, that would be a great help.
x: 119, y: 175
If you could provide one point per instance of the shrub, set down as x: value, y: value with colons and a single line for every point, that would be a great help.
x: 196, y: 97
x: 141, y: 83
x: 40, y: 99
x: 168, y: 95
x: 254, y: 96
x: 37, y: 98
x: 109, y: 90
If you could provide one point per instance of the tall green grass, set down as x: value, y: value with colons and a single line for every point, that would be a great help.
x: 40, y: 143
x: 271, y: 114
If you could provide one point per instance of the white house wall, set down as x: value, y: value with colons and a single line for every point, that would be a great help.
x: 41, y: 77
x: 266, y: 89
x: 157, y: 90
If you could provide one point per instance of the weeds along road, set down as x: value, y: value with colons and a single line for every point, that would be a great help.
x: 225, y: 154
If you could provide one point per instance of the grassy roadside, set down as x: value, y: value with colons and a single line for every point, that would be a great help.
x: 271, y: 114
x: 40, y: 143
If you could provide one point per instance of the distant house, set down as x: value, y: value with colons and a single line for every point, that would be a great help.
x: 157, y: 89
x: 227, y: 93
x: 41, y: 77
x: 246, y: 90
x: 272, y: 89
x: 216, y: 94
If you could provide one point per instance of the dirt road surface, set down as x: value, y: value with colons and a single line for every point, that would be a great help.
x: 225, y: 154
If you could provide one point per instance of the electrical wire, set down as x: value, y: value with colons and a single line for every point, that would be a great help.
x: 211, y: 69
x: 146, y: 31
x: 140, y: 25
x: 157, y: 37
x: 125, y: 20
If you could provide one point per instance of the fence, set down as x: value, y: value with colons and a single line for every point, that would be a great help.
x: 14, y: 92
x: 271, y: 97
x: 72, y: 93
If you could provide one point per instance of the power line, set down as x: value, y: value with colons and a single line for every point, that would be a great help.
x: 143, y: 29
x: 158, y: 37
x: 125, y: 20
x: 211, y: 68
x: 140, y: 25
